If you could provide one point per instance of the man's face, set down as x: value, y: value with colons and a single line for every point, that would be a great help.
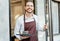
x: 29, y: 7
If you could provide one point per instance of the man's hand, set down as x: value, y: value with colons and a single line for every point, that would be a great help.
x: 45, y: 27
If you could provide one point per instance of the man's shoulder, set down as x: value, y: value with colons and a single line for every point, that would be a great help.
x: 35, y: 16
x: 20, y: 17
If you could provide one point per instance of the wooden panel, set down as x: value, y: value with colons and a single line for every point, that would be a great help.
x: 15, y: 1
x: 16, y: 11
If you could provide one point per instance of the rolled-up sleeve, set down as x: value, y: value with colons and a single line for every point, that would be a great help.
x: 17, y: 29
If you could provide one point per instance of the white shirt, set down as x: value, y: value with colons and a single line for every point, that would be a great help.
x: 29, y: 19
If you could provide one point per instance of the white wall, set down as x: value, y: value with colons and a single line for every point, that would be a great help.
x: 39, y: 9
x: 4, y: 20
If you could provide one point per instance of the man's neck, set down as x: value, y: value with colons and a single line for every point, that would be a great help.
x: 29, y: 14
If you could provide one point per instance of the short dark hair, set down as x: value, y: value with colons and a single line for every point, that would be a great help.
x: 28, y: 1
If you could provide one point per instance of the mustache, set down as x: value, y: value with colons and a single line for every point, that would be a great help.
x: 29, y: 8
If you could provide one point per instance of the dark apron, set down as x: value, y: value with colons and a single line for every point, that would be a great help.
x: 31, y: 27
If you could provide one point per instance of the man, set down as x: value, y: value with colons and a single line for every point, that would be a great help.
x: 28, y: 22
